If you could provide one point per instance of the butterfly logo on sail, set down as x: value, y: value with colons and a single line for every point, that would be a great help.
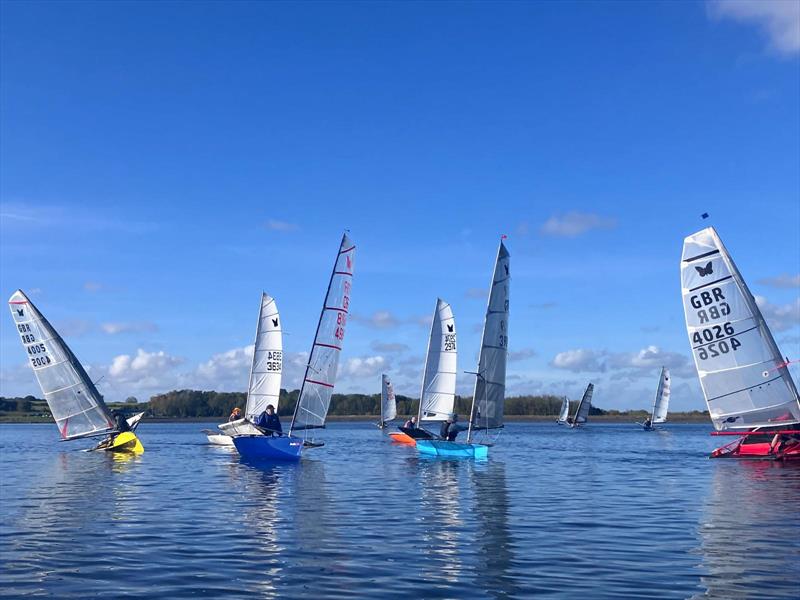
x: 506, y: 268
x: 21, y: 312
x: 274, y: 322
x: 707, y: 270
x: 450, y: 328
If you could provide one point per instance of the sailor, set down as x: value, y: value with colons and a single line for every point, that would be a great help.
x: 269, y: 420
x: 647, y: 423
x: 450, y: 428
x: 120, y: 422
x: 411, y: 423
x: 236, y: 414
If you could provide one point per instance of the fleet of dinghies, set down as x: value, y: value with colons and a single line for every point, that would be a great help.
x: 745, y: 379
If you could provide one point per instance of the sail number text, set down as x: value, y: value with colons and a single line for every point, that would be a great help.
x: 449, y: 342
x: 710, y: 305
x: 715, y: 340
x: 341, y: 318
x: 274, y: 361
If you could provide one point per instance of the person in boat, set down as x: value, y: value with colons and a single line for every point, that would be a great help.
x: 411, y: 423
x: 647, y: 423
x: 450, y: 428
x: 120, y: 423
x: 236, y: 414
x: 269, y: 420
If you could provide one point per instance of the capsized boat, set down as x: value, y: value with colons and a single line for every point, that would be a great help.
x: 488, y: 399
x: 584, y: 406
x: 661, y: 402
x: 564, y: 412
x: 745, y: 379
x: 77, y: 407
x: 316, y: 390
x: 264, y: 385
x: 388, y: 402
x: 438, y: 394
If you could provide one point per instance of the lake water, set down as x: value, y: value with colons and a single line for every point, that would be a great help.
x: 606, y: 511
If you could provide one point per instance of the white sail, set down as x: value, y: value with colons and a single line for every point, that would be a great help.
x: 744, y: 378
x: 320, y: 376
x: 438, y: 394
x: 76, y: 405
x: 265, y: 373
x: 585, y: 405
x: 490, y: 383
x: 564, y: 413
x: 661, y: 403
x: 388, y: 402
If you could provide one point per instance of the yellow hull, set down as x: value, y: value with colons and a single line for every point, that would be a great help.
x: 126, y: 442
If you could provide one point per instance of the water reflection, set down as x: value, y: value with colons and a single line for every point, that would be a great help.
x: 750, y: 531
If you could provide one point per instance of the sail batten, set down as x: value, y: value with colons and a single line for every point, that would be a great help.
x: 438, y: 394
x: 320, y: 376
x: 76, y: 405
x: 488, y: 398
x: 743, y: 375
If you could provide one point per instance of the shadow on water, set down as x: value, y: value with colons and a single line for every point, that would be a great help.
x: 750, y: 514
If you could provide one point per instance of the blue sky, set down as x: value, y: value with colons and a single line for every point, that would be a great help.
x: 163, y: 163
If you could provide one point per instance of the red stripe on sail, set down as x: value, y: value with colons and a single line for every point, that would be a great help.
x: 18, y: 302
x: 330, y: 385
x: 327, y: 346
x: 64, y: 429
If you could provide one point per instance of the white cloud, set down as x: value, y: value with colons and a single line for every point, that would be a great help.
x: 135, y: 327
x: 521, y: 354
x: 380, y: 319
x: 573, y: 224
x: 276, y: 225
x: 234, y: 363
x: 779, y: 19
x: 779, y: 317
x: 782, y: 281
x: 365, y: 366
x: 145, y: 365
x: 625, y: 364
x: 579, y: 360
x: 389, y: 347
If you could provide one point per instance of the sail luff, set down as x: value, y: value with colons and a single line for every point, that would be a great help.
x: 75, y: 403
x: 744, y: 378
x: 313, y: 403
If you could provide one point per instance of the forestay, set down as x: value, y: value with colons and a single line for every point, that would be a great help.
x: 265, y: 373
x: 744, y: 378
x: 564, y: 413
x: 76, y: 405
x: 490, y: 383
x: 388, y: 402
x: 661, y: 403
x: 585, y: 405
x: 439, y: 378
x: 320, y: 376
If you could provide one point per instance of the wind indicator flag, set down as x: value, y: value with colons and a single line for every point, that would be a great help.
x: 504, y: 237
x: 704, y: 215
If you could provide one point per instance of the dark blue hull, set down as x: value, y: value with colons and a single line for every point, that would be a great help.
x: 262, y: 447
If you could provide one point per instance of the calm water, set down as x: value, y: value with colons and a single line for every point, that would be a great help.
x: 607, y: 511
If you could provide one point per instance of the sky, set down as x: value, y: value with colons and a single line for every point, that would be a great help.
x: 162, y: 164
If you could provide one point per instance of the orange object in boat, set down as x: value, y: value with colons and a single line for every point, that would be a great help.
x: 402, y: 438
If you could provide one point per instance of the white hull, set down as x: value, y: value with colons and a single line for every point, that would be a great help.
x: 220, y: 439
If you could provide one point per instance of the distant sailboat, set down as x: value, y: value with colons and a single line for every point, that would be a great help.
x: 745, y: 379
x: 77, y: 407
x: 316, y: 390
x: 438, y: 394
x: 488, y: 399
x: 661, y: 402
x: 584, y: 406
x: 388, y: 402
x: 264, y: 385
x: 563, y: 414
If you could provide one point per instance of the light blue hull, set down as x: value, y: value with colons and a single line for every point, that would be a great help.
x: 452, y: 449
x: 262, y: 447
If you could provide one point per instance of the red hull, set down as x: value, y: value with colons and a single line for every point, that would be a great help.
x: 402, y: 438
x: 758, y: 451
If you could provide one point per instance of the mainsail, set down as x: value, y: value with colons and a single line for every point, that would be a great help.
x: 564, y: 413
x: 661, y: 403
x: 585, y: 405
x: 490, y: 383
x: 265, y: 373
x: 76, y: 405
x: 439, y: 378
x: 320, y: 376
x: 388, y: 402
x: 744, y: 377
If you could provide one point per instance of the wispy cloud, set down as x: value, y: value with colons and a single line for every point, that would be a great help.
x: 544, y: 305
x: 144, y: 365
x: 69, y: 218
x: 521, y: 354
x: 573, y: 224
x: 276, y: 225
x: 380, y: 319
x: 477, y: 293
x: 389, y: 347
x: 782, y: 281
x: 365, y: 366
x: 778, y: 19
x: 625, y: 364
x: 132, y: 327
x: 780, y: 317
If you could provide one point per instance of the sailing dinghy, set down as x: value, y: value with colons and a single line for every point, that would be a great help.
x: 264, y: 385
x: 745, y: 379
x: 438, y: 394
x: 320, y: 375
x: 388, y: 402
x: 488, y: 398
x: 564, y: 412
x: 77, y: 407
x: 584, y: 406
x: 660, y: 404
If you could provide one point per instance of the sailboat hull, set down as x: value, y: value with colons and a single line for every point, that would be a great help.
x: 762, y: 447
x: 126, y: 442
x: 446, y: 449
x: 219, y: 439
x: 262, y: 447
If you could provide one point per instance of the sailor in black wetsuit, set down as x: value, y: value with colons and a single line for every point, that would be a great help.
x: 269, y: 420
x: 450, y: 428
x: 411, y: 423
x: 120, y: 422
